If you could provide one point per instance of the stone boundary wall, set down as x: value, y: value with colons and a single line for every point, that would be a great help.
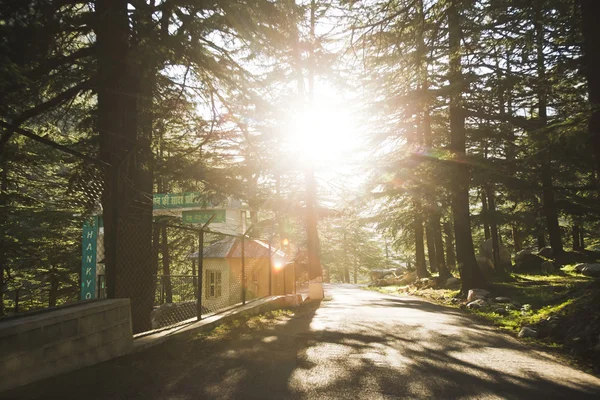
x: 50, y: 343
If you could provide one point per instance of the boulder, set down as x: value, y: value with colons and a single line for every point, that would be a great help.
x: 477, y: 304
x: 500, y: 310
x: 487, y: 250
x: 547, y: 267
x: 477, y: 294
x: 520, y: 255
x: 452, y: 282
x: 546, y: 252
x: 529, y: 263
x: 502, y: 300
x: 377, y: 274
x: 486, y: 266
x: 527, y: 332
x: 588, y: 269
x: 408, y: 278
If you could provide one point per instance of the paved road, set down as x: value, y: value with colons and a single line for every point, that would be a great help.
x: 359, y: 344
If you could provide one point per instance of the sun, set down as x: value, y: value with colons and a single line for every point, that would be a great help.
x: 322, y: 134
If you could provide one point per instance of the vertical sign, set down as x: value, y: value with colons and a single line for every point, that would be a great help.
x: 88, y: 259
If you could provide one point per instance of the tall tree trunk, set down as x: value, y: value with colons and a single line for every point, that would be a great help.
x: 590, y: 10
x: 548, y: 201
x: 419, y: 244
x: 346, y: 270
x: 516, y: 235
x: 485, y: 215
x: 575, y: 234
x: 470, y: 273
x: 430, y: 239
x: 581, y: 237
x: 166, y: 265
x: 53, y: 292
x: 450, y: 255
x: 439, y: 249
x: 3, y: 221
x: 498, y: 267
x: 126, y: 205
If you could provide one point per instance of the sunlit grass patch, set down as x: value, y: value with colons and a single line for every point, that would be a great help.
x: 241, y: 325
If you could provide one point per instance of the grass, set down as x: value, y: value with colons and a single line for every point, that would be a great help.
x: 245, y: 325
x: 567, y: 297
x: 546, y: 294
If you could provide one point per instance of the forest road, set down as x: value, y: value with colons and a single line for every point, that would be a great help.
x: 356, y: 344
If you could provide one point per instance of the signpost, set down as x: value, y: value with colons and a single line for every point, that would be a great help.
x: 89, y: 243
x: 202, y: 216
x: 164, y: 201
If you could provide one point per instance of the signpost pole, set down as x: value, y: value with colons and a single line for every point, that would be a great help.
x: 200, y: 269
x: 270, y: 269
x: 243, y: 272
x: 200, y: 274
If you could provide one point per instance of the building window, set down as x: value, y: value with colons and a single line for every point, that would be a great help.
x: 213, y: 284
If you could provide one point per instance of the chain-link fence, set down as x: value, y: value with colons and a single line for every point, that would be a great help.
x: 46, y: 196
x: 75, y: 228
x: 227, y: 273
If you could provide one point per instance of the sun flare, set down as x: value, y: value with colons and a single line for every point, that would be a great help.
x: 322, y: 134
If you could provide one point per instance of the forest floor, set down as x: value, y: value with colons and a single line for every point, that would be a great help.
x: 564, y: 309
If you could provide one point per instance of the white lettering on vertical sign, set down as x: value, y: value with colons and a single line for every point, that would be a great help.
x: 88, y: 283
x: 90, y: 234
x: 88, y: 258
x: 88, y: 271
x: 88, y: 296
x: 89, y: 247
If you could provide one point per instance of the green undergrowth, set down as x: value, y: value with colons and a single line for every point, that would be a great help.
x: 569, y: 298
x: 245, y: 325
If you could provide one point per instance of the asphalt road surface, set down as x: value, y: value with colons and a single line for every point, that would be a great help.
x: 356, y: 345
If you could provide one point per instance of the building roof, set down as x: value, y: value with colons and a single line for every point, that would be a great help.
x: 231, y: 247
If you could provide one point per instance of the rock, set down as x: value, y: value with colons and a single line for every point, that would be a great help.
x: 487, y: 250
x: 451, y: 282
x: 588, y: 269
x: 377, y: 274
x: 408, y: 278
x: 530, y: 263
x: 476, y: 294
x: 502, y: 300
x: 520, y: 255
x: 477, y: 304
x: 486, y: 266
x: 547, y: 267
x: 516, y: 304
x: 511, y: 307
x: 546, y: 252
x: 500, y: 310
x: 527, y: 332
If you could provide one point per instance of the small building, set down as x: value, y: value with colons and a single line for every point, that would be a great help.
x: 222, y: 272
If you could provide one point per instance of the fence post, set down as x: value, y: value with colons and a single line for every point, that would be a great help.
x: 243, y: 272
x: 200, y: 274
x: 112, y: 259
x: 270, y: 270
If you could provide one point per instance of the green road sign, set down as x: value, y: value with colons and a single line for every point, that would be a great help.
x: 202, y: 216
x: 177, y: 200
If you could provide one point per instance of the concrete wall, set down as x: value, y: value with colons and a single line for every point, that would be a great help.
x: 53, y: 342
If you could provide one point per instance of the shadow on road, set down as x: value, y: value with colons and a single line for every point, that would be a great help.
x: 355, y: 346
